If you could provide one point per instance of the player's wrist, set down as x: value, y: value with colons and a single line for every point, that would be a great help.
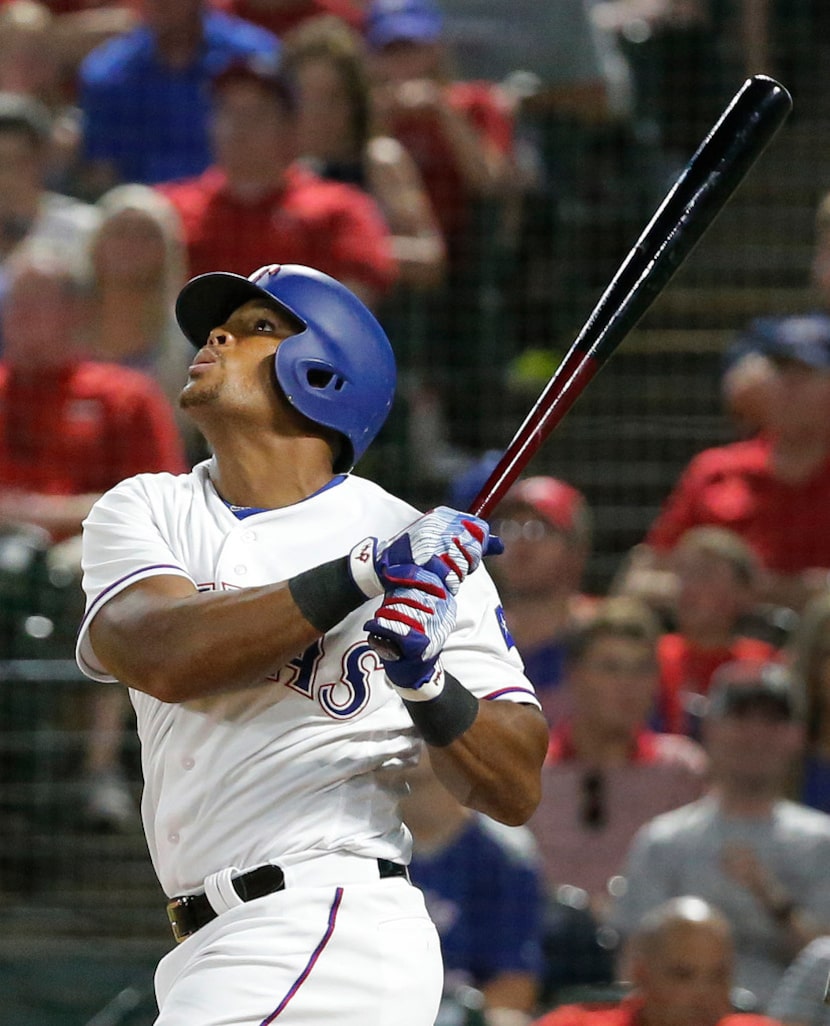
x: 326, y: 594
x: 362, y: 564
x: 442, y: 709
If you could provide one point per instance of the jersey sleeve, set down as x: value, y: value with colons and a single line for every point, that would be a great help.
x: 122, y: 543
x: 480, y: 652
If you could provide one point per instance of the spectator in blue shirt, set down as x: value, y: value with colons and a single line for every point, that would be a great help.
x: 145, y: 96
x: 482, y: 885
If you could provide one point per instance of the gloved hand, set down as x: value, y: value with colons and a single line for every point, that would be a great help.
x: 415, y: 620
x: 446, y: 542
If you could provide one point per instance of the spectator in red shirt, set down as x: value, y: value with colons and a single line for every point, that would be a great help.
x: 772, y: 489
x: 681, y: 974
x: 256, y: 205
x: 70, y: 429
x: 717, y: 577
x: 605, y: 775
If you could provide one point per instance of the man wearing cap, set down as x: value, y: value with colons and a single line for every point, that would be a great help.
x: 255, y: 204
x: 546, y: 527
x: 743, y: 847
x: 772, y: 489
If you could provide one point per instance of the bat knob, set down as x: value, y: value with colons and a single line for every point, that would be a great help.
x: 386, y: 649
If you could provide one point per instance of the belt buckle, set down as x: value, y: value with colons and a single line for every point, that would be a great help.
x: 174, y: 909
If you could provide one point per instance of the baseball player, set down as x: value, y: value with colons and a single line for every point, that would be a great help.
x: 291, y: 636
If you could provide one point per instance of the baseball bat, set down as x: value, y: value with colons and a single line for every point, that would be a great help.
x: 700, y: 192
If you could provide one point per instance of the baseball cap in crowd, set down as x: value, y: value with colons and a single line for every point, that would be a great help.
x: 263, y: 68
x: 804, y: 338
x: 560, y: 504
x: 390, y: 20
x: 747, y: 684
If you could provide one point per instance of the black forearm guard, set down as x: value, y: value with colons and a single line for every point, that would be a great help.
x: 326, y: 594
x: 441, y: 720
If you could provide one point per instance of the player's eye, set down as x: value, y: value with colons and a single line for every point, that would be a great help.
x: 264, y: 324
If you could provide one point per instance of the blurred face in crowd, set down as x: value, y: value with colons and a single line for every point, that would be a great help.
x: 324, y: 115
x: 42, y: 314
x: 28, y: 57
x: 613, y: 683
x: 711, y: 596
x: 406, y: 59
x: 129, y: 248
x: 799, y: 404
x: 685, y: 977
x: 538, y: 558
x: 254, y: 135
x: 751, y: 748
x: 21, y: 169
x: 171, y: 15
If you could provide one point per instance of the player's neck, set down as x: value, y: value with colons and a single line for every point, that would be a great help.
x: 277, y: 474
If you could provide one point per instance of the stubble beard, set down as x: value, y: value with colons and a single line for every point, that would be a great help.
x: 190, y: 397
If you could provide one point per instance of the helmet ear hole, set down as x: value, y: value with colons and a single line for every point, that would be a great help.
x: 320, y: 378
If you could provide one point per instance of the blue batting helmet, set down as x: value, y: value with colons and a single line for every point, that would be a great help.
x: 339, y: 371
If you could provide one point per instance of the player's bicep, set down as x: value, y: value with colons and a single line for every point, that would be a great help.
x: 120, y: 633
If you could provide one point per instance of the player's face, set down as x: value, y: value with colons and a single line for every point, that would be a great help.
x: 234, y: 370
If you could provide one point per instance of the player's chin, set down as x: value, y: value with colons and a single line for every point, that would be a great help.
x: 197, y: 393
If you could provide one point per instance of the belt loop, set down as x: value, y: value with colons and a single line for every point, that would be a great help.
x: 220, y: 892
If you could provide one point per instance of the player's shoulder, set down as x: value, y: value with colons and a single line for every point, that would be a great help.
x: 384, y: 512
x: 160, y: 490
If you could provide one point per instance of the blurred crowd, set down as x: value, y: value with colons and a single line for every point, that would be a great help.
x: 447, y: 160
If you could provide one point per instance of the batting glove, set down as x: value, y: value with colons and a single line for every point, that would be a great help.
x: 444, y: 541
x: 415, y: 621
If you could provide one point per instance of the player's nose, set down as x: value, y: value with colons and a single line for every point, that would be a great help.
x: 218, y: 337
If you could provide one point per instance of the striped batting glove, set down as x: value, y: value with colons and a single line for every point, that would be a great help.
x: 447, y: 543
x: 417, y: 618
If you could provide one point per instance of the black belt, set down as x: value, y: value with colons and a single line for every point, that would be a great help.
x: 191, y: 912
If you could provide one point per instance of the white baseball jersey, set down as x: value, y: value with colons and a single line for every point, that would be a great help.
x: 307, y: 762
